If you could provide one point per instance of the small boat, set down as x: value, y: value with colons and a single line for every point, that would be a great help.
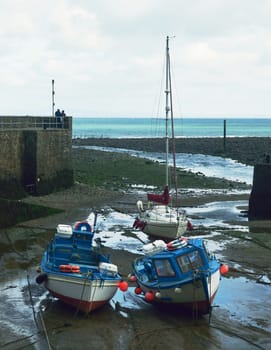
x: 161, y: 221
x: 180, y: 272
x: 161, y: 218
x: 74, y: 270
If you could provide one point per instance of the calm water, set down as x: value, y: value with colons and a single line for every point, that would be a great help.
x: 184, y: 127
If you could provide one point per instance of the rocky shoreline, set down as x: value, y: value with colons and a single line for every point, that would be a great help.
x: 247, y: 150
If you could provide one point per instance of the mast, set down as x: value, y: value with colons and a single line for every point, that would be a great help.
x: 169, y: 109
x: 167, y: 106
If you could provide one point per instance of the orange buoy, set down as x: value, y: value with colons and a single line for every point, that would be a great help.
x: 224, y: 269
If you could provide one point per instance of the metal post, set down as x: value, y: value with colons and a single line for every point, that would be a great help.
x: 53, y: 98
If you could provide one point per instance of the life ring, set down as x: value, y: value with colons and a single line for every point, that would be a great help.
x: 69, y: 268
x: 177, y: 243
x: 75, y: 268
x: 65, y: 268
x: 82, y: 226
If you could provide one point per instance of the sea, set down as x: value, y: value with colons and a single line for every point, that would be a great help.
x: 183, y: 127
x: 134, y: 127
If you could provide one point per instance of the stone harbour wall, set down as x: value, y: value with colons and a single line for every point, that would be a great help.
x: 36, y: 158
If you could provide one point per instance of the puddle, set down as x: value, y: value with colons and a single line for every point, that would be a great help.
x: 219, y: 214
x: 246, y: 301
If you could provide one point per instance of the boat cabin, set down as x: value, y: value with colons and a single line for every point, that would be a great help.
x: 81, y: 233
x: 173, y: 264
x: 73, y: 245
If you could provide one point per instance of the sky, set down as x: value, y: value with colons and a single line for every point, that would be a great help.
x: 107, y: 57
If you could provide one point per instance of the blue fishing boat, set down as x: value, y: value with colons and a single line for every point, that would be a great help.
x: 180, y: 272
x: 74, y: 270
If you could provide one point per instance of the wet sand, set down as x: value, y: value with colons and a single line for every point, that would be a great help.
x: 127, y: 322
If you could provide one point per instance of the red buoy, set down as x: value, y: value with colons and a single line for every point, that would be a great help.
x: 138, y: 290
x: 132, y: 278
x: 224, y: 269
x: 123, y: 286
x: 149, y: 296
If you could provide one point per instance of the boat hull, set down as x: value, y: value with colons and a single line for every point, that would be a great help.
x: 196, y: 295
x: 163, y: 222
x: 81, y: 292
x: 165, y: 230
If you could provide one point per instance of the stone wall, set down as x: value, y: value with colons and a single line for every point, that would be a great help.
x: 36, y: 158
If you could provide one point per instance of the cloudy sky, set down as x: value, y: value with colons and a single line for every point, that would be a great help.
x: 107, y: 56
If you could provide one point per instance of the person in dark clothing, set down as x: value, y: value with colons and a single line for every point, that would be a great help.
x: 58, y: 118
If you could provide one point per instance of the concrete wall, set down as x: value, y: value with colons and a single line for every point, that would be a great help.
x: 260, y: 197
x: 35, y: 155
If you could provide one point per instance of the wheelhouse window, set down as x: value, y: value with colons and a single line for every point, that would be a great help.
x: 190, y: 261
x: 163, y: 268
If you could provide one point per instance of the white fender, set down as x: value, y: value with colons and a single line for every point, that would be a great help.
x: 139, y: 205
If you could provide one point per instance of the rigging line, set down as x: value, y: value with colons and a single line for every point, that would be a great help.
x: 31, y: 300
x: 210, y: 296
x: 173, y: 135
x: 40, y: 315
x: 195, y: 312
x: 44, y: 328
x: 82, y: 293
x: 156, y: 121
x: 94, y: 291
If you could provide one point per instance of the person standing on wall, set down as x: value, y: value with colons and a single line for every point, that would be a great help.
x: 58, y: 118
x: 63, y: 115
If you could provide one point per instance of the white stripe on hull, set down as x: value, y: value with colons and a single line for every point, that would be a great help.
x: 80, y: 288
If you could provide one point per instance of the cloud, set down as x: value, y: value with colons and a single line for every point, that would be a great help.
x: 107, y: 57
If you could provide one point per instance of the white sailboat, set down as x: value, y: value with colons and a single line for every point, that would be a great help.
x: 161, y: 219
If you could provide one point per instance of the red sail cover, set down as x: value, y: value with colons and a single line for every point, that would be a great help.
x: 163, y: 198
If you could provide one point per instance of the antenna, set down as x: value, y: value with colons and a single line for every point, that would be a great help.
x: 53, y: 98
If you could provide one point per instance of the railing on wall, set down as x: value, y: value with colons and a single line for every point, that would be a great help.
x: 29, y: 122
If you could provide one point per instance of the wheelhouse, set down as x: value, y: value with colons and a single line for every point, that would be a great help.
x: 174, y: 264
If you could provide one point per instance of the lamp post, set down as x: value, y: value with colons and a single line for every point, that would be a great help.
x: 53, y: 98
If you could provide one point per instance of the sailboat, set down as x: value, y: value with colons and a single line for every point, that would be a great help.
x: 160, y: 219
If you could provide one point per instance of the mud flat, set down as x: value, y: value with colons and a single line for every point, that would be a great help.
x: 240, y: 317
